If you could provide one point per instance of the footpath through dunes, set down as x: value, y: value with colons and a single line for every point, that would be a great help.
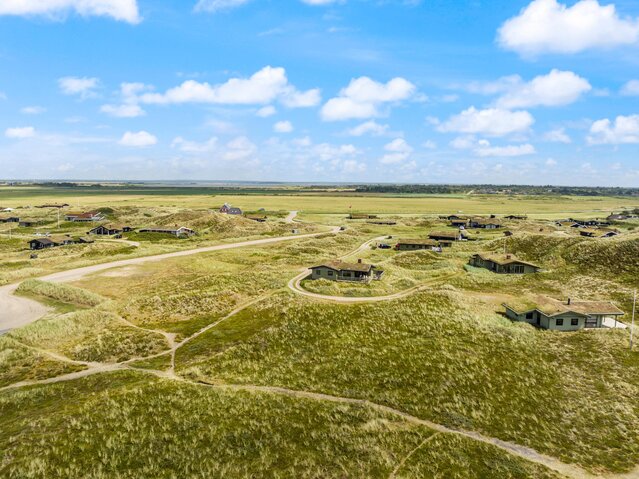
x: 16, y: 311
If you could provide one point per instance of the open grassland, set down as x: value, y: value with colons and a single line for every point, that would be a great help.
x: 441, y: 357
x: 198, y: 329
x: 206, y: 432
x: 318, y: 202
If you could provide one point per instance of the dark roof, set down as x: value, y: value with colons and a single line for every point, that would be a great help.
x: 343, y: 266
x: 425, y: 242
x: 41, y: 241
x: 453, y: 235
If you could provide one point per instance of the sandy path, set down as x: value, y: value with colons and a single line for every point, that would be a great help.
x: 16, y: 311
x: 291, y: 217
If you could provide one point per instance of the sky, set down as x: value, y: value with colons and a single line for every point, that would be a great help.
x: 410, y: 91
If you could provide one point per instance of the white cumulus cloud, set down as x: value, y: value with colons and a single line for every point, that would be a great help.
x: 547, y: 26
x: 263, y: 87
x: 558, y: 88
x: 397, y: 150
x: 123, y: 111
x: 558, y: 135
x: 631, y: 88
x: 122, y: 10
x: 81, y: 86
x: 20, y: 132
x: 283, y: 127
x: 213, y: 6
x: 363, y: 96
x: 624, y: 129
x: 490, y: 122
x: 138, y: 139
x: 371, y: 127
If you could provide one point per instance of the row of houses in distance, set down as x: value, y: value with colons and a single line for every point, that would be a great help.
x: 116, y: 230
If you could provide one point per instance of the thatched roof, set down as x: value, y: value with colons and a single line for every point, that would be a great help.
x: 505, y: 259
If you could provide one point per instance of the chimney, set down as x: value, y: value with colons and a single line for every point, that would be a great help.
x: 508, y: 256
x: 569, y: 300
x: 359, y: 261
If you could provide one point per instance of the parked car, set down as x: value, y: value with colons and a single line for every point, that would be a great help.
x: 384, y: 246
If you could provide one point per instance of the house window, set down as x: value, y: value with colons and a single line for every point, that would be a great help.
x: 574, y: 321
x: 330, y: 273
x: 530, y: 315
x: 560, y: 322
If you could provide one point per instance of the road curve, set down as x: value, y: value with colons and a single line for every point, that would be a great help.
x: 16, y: 311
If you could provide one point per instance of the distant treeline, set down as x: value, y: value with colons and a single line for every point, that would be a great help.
x: 492, y: 189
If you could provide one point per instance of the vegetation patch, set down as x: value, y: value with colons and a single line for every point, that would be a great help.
x: 91, y: 335
x: 21, y: 363
x: 60, y: 292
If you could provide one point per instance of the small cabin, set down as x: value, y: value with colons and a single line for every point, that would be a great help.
x: 177, y: 232
x: 549, y: 313
x: 227, y: 209
x: 503, y: 264
x: 418, y: 244
x: 109, y: 230
x: 41, y: 243
x: 447, y: 238
x: 342, y: 271
x: 87, y: 217
x: 485, y: 223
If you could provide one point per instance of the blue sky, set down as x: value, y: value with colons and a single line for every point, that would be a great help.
x: 535, y: 91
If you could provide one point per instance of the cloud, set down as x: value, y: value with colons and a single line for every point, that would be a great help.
x: 500, y: 85
x: 263, y: 87
x: 83, y: 87
x: 32, y: 110
x: 483, y: 148
x: 128, y: 107
x: 122, y: 10
x: 123, y: 111
x: 371, y: 127
x: 266, y: 111
x: 624, y: 129
x: 398, y: 151
x: 557, y: 136
x: 363, y: 96
x: 213, y: 6
x: 20, y: 132
x: 631, y: 88
x: 550, y: 162
x: 140, y: 139
x: 283, y: 127
x: 491, y: 122
x: 193, y: 146
x: 558, y: 88
x: 547, y: 26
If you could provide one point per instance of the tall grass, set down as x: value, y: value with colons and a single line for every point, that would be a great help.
x: 60, y: 292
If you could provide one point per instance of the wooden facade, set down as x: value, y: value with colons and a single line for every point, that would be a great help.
x: 504, y: 264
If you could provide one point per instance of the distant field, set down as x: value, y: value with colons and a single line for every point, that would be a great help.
x: 330, y: 202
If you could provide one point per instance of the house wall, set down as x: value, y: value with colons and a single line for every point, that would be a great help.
x: 411, y: 247
x: 567, y: 326
x: 324, y: 273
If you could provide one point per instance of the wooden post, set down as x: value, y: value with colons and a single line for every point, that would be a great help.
x: 632, y: 325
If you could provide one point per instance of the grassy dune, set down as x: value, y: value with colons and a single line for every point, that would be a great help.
x: 20, y: 363
x: 91, y: 335
x: 439, y: 357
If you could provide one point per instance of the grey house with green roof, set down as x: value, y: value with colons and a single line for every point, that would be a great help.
x: 548, y: 313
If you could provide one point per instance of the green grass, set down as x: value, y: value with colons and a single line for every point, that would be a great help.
x: 20, y: 363
x: 62, y: 293
x: 436, y: 357
x: 91, y: 335
x: 103, y: 427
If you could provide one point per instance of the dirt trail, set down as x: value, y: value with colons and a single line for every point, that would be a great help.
x: 16, y: 312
